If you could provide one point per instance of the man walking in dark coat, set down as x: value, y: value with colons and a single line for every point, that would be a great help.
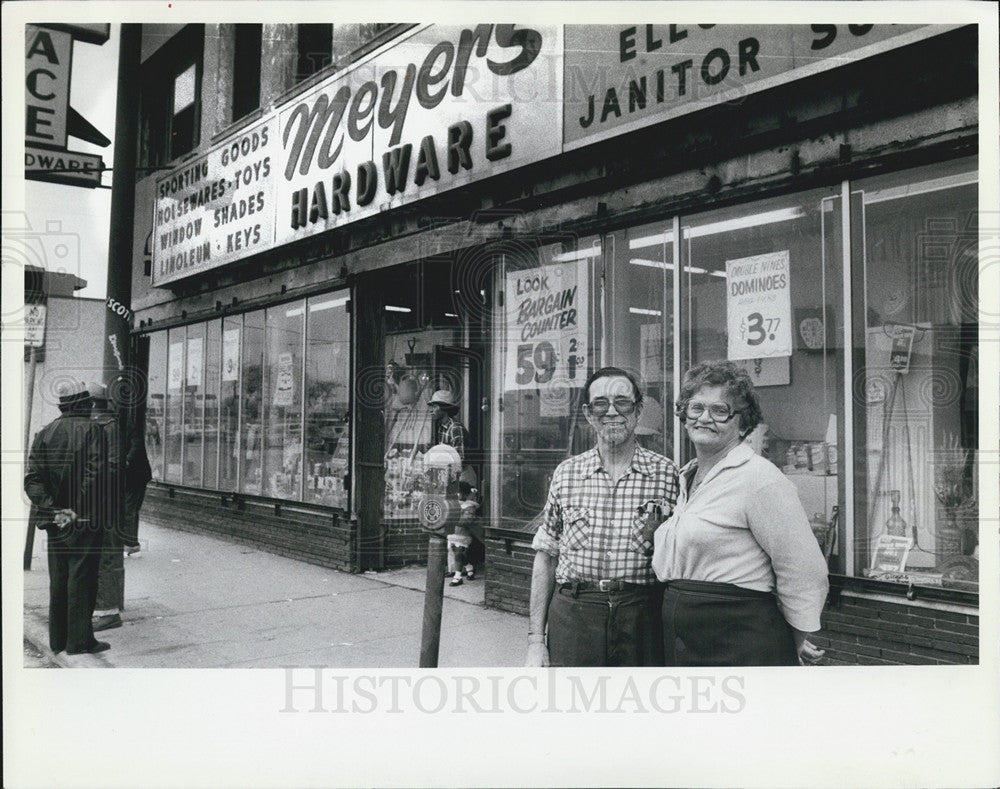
x: 67, y: 473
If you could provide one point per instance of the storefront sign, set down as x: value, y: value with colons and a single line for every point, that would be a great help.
x: 623, y: 77
x: 284, y: 383
x: 546, y: 337
x: 218, y: 208
x: 49, y: 120
x: 231, y: 355
x: 442, y: 107
x: 63, y: 167
x: 34, y: 325
x: 758, y: 306
x: 48, y: 54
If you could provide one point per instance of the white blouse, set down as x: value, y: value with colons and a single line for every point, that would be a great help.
x: 744, y: 525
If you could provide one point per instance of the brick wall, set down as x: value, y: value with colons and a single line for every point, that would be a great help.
x: 405, y: 543
x: 860, y: 629
x: 508, y: 573
x: 316, y: 537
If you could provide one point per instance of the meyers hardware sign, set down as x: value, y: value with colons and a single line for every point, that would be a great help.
x: 442, y: 107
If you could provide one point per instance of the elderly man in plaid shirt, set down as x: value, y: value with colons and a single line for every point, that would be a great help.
x: 593, y: 591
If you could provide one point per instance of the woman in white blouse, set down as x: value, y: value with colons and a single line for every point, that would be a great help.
x: 745, y: 578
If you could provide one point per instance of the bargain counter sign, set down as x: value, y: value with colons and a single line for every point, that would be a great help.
x: 443, y: 107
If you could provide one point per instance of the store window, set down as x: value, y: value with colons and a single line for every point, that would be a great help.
x: 762, y: 285
x: 225, y: 405
x: 251, y: 405
x: 328, y: 401
x: 550, y: 325
x: 422, y: 322
x: 916, y: 417
x: 174, y: 429
x: 194, y: 405
x: 640, y: 292
x: 229, y: 403
x: 213, y: 349
x: 282, y: 400
x: 155, y: 403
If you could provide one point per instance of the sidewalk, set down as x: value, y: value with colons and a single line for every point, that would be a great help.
x: 195, y: 601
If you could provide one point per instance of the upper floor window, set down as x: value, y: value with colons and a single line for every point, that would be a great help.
x: 246, y: 69
x: 315, y: 50
x: 170, y: 117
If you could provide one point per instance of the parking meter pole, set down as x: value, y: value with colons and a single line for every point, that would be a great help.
x: 437, y: 562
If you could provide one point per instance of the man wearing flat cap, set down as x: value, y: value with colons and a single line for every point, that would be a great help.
x: 66, y: 476
x: 444, y: 408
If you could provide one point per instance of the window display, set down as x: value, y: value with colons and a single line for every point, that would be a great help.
x: 251, y: 401
x: 762, y: 286
x: 194, y: 404
x: 282, y: 401
x: 155, y: 409
x: 229, y: 402
x: 173, y: 429
x: 640, y: 323
x: 918, y: 414
x: 213, y: 346
x: 421, y: 320
x: 228, y: 395
x: 328, y: 400
x: 550, y: 329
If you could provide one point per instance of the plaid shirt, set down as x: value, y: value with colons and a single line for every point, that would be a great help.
x: 452, y: 433
x: 592, y: 524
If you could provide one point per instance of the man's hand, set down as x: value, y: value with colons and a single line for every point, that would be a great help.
x: 809, y: 654
x: 63, y: 518
x: 538, y: 655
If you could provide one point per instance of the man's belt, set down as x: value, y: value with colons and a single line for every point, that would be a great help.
x: 605, y: 585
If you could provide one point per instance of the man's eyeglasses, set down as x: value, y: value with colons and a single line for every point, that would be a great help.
x: 599, y: 406
x: 717, y: 412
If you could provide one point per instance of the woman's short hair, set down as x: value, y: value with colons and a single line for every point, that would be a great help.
x: 737, y: 382
x: 612, y: 372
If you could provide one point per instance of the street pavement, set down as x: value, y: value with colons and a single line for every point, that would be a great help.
x: 197, y: 601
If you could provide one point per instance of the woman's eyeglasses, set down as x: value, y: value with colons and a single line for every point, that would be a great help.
x: 599, y: 406
x: 717, y: 412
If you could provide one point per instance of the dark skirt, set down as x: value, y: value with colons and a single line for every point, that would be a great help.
x: 714, y: 624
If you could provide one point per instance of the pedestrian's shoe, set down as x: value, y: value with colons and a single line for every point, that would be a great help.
x: 456, y: 581
x: 107, y: 622
x: 470, y: 572
x: 130, y: 549
x: 93, y: 649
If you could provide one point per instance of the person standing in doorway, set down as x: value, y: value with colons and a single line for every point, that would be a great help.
x: 66, y: 477
x: 594, y: 598
x: 449, y: 430
x: 111, y: 574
